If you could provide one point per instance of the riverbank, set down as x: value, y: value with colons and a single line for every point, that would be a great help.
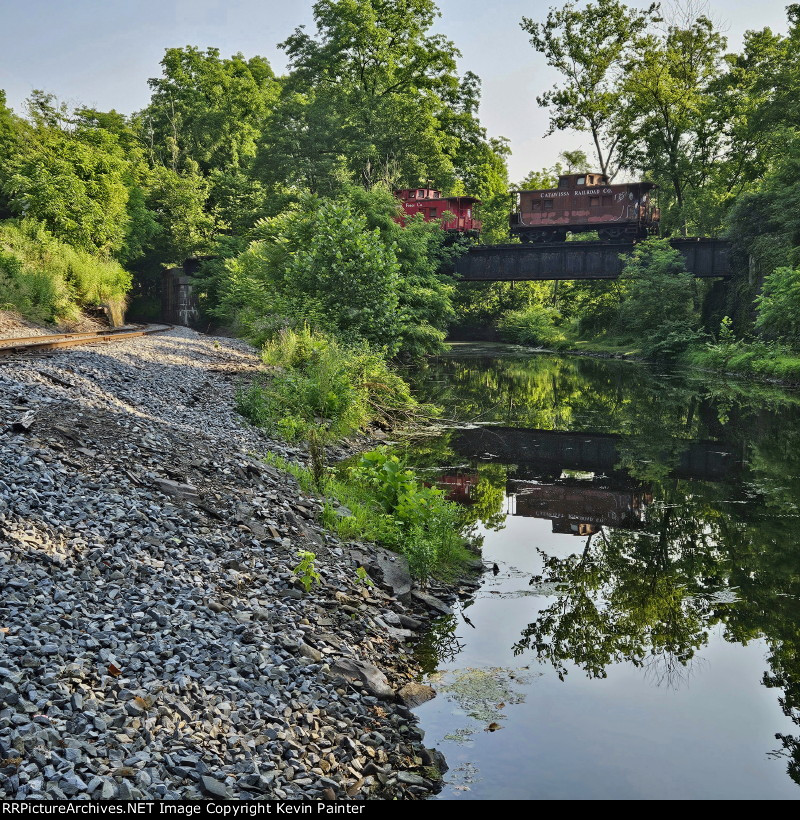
x: 156, y: 642
x: 752, y: 362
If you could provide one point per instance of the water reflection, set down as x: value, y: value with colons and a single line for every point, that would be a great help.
x: 681, y: 495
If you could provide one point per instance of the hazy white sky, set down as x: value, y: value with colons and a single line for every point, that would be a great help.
x: 101, y: 52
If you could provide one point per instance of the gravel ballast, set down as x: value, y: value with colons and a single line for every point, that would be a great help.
x: 154, y: 643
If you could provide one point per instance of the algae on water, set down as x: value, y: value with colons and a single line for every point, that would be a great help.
x: 481, y: 694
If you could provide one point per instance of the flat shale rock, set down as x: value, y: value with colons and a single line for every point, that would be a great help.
x: 366, y: 674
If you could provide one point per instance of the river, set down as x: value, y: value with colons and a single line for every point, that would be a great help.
x: 637, y: 631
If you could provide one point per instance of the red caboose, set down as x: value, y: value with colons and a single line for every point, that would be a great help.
x: 432, y: 205
x: 585, y: 202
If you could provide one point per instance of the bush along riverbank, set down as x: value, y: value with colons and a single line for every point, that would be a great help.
x: 320, y: 391
x: 176, y: 623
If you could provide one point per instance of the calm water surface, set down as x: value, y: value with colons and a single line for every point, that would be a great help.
x: 639, y: 633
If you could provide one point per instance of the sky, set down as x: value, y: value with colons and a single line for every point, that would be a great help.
x: 100, y: 53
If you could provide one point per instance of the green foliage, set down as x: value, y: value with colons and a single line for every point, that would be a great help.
x: 345, y: 267
x: 363, y: 579
x: 670, y: 340
x: 658, y: 303
x: 202, y: 128
x: 317, y: 263
x: 206, y: 109
x: 48, y: 280
x: 533, y: 325
x: 322, y: 385
x: 541, y: 180
x: 362, y: 98
x: 672, y: 133
x: 388, y: 504
x: 80, y: 180
x: 180, y: 198
x: 758, y: 359
x: 778, y: 306
x: 396, y: 509
x: 589, y: 48
x: 306, y: 570
x: 423, y: 294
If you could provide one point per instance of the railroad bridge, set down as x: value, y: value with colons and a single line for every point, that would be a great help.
x: 705, y: 258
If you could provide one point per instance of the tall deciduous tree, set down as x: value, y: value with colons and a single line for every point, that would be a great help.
x: 205, y: 118
x: 363, y: 98
x: 71, y: 176
x: 671, y: 133
x: 207, y: 109
x: 589, y: 47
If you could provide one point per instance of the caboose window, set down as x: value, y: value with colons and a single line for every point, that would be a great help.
x: 581, y: 181
x: 594, y: 201
x: 548, y: 204
x: 606, y: 200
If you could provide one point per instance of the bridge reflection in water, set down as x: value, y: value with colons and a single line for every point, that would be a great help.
x: 575, y: 479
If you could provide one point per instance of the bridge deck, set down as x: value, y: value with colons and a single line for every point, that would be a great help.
x: 580, y: 260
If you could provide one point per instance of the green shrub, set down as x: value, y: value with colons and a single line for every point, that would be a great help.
x: 778, y: 311
x: 387, y: 503
x: 759, y: 358
x: 669, y: 340
x: 532, y: 325
x: 48, y: 280
x: 322, y: 385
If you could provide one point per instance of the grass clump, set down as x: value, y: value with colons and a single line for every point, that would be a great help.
x: 320, y: 387
x: 385, y: 502
x: 765, y: 360
x: 47, y: 280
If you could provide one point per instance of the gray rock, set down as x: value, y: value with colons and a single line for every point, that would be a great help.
x: 391, y: 571
x: 215, y: 788
x: 415, y: 694
x: 411, y: 778
x: 431, y: 602
x: 366, y: 674
x: 311, y: 653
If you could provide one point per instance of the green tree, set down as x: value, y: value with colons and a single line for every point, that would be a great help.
x: 364, y: 98
x: 659, y: 296
x: 778, y: 312
x: 207, y: 109
x: 316, y: 263
x: 9, y: 126
x: 576, y: 161
x: 590, y: 47
x: 672, y: 135
x: 205, y: 120
x: 541, y: 180
x: 424, y: 295
x: 75, y: 178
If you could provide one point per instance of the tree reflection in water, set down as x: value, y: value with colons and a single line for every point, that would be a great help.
x: 705, y: 553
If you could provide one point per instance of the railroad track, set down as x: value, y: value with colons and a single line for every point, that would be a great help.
x: 56, y: 341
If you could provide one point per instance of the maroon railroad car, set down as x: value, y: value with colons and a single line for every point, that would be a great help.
x: 432, y: 205
x: 585, y: 202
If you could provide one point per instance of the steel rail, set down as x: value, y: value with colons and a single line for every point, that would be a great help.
x: 57, y: 341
